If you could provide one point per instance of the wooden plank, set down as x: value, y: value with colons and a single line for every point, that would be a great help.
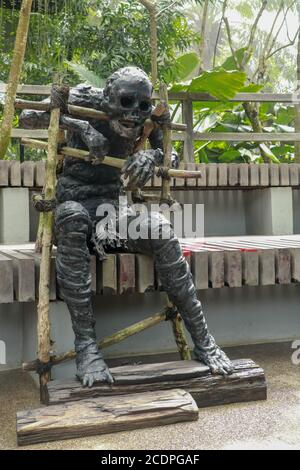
x: 37, y: 262
x: 253, y: 174
x: 274, y: 174
x: 222, y: 174
x: 216, y: 269
x: 239, y: 97
x: 179, y: 96
x: 27, y: 173
x: 145, y: 278
x: 29, y: 89
x: 15, y: 173
x: 6, y: 280
x: 23, y: 274
x: 233, y: 268
x: 250, y: 267
x: 233, y: 174
x: 4, y: 168
x: 247, y: 383
x: 243, y: 174
x: 104, y: 415
x: 126, y: 273
x: 284, y: 174
x: 264, y: 174
x: 267, y: 267
x: 283, y: 266
x: 247, y: 137
x: 295, y: 264
x: 40, y: 171
x: 212, y: 175
x: 202, y: 182
x: 107, y: 275
x: 199, y: 267
x: 294, y: 174
x: 29, y: 134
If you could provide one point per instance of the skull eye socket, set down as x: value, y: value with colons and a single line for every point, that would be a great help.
x: 145, y: 105
x: 127, y: 102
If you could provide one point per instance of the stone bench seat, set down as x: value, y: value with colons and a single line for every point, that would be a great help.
x: 215, y: 263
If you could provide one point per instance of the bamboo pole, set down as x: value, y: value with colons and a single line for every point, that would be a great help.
x: 43, y: 324
x: 106, y: 342
x: 14, y: 75
x: 108, y: 161
x: 177, y: 324
x: 91, y: 113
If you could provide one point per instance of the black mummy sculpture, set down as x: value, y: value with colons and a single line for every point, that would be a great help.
x: 83, y: 186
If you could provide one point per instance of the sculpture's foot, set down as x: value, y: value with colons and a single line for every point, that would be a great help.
x: 217, y: 360
x: 91, y: 367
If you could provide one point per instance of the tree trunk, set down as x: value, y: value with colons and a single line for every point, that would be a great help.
x: 14, y: 76
x: 297, y: 107
x: 202, y: 35
x: 151, y: 7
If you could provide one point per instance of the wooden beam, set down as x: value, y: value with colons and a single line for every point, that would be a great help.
x: 247, y: 383
x: 43, y: 90
x: 247, y: 136
x: 29, y: 133
x: 239, y: 97
x: 105, y: 415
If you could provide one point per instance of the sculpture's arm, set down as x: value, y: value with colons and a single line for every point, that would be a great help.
x: 34, y: 119
x: 97, y: 144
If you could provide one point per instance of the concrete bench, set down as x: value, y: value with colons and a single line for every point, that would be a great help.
x: 32, y: 174
x: 215, y: 263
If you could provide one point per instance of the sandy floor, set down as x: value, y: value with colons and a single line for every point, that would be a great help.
x: 261, y: 425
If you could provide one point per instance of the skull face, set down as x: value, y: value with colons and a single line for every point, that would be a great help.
x: 127, y: 100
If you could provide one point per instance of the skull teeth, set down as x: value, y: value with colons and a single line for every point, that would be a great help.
x: 128, y: 124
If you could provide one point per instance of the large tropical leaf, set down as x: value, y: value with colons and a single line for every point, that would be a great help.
x: 230, y: 64
x: 86, y: 75
x: 219, y: 83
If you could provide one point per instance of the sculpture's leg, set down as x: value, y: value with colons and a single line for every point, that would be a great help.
x: 177, y: 281
x: 72, y: 229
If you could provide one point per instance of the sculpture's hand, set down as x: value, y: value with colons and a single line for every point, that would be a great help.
x: 139, y: 167
x: 162, y: 120
x: 216, y: 360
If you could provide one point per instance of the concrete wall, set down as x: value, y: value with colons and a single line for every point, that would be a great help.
x: 11, y: 335
x: 270, y: 211
x: 235, y: 316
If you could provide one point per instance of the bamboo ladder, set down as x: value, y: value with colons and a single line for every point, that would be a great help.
x: 45, y: 360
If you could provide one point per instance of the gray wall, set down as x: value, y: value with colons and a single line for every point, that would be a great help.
x: 235, y: 316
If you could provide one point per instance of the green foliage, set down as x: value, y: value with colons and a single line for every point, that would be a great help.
x: 219, y: 83
x: 231, y: 117
x: 100, y: 35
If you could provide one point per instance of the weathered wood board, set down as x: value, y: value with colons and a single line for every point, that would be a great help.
x: 104, y: 415
x: 247, y: 383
